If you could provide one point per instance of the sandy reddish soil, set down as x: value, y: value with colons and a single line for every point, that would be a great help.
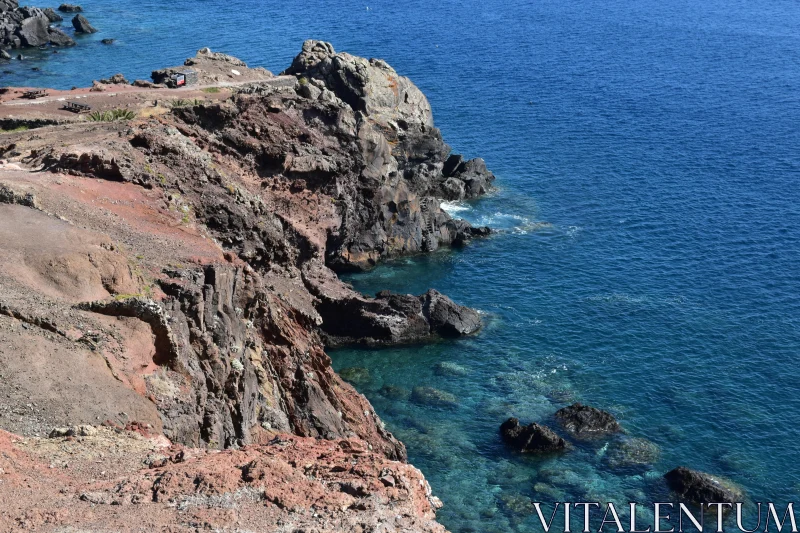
x: 109, y: 479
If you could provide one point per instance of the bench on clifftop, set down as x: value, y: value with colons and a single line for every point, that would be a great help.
x: 38, y: 93
x: 75, y: 107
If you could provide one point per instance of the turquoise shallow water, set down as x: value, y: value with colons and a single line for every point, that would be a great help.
x: 648, y: 157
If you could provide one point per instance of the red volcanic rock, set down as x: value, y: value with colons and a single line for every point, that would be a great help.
x: 101, y: 482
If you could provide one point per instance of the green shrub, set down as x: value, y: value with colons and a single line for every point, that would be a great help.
x: 16, y: 130
x: 111, y: 116
x: 183, y: 102
x: 211, y: 90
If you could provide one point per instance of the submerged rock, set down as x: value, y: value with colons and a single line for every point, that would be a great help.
x: 517, y: 504
x: 394, y: 392
x: 533, y: 438
x: 583, y: 421
x: 700, y: 488
x: 355, y: 375
x: 448, y: 368
x: 433, y: 397
x: 632, y: 452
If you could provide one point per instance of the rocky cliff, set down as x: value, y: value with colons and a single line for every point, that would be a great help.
x: 183, y: 264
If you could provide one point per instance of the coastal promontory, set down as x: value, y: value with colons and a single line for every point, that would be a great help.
x: 179, y: 249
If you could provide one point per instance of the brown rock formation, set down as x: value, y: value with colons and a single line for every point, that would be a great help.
x: 182, y: 265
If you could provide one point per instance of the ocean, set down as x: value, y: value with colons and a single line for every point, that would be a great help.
x: 647, y: 254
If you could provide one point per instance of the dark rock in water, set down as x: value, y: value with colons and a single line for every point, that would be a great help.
x: 433, y: 397
x: 699, y: 488
x: 82, y: 25
x: 115, y: 79
x: 583, y: 421
x: 108, y: 41
x: 447, y: 318
x: 561, y: 395
x: 70, y: 8
x: 394, y: 392
x: 533, y: 438
x: 355, y: 375
x: 632, y: 453
x: 33, y: 31
x: 51, y: 15
x: 59, y: 38
x: 517, y: 504
x: 392, y: 318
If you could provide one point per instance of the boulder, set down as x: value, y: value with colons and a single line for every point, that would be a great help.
x: 447, y: 318
x: 700, y: 488
x: 533, y: 438
x: 51, y: 15
x: 583, y: 421
x: 146, y: 84
x: 33, y: 31
x: 59, y: 38
x: 70, y: 8
x: 115, y: 79
x: 82, y: 25
x: 433, y: 397
x: 8, y: 5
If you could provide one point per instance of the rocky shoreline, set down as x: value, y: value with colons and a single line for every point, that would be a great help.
x: 183, y: 263
x: 33, y: 27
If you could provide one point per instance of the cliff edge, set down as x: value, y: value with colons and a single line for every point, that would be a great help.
x: 177, y: 271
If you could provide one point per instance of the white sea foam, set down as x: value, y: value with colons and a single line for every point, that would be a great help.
x: 453, y: 208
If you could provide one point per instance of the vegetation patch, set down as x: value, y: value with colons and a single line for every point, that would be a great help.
x: 111, y: 116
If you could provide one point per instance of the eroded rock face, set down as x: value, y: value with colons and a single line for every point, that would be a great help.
x: 584, y: 421
x: 700, y: 488
x: 233, y: 216
x: 533, y: 438
x: 403, y: 160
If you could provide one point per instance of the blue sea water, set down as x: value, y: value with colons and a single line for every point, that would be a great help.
x: 648, y: 253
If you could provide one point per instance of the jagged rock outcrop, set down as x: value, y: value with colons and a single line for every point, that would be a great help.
x: 22, y: 27
x: 700, y: 488
x: 585, y: 422
x: 81, y: 25
x: 533, y: 438
x: 402, y: 162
